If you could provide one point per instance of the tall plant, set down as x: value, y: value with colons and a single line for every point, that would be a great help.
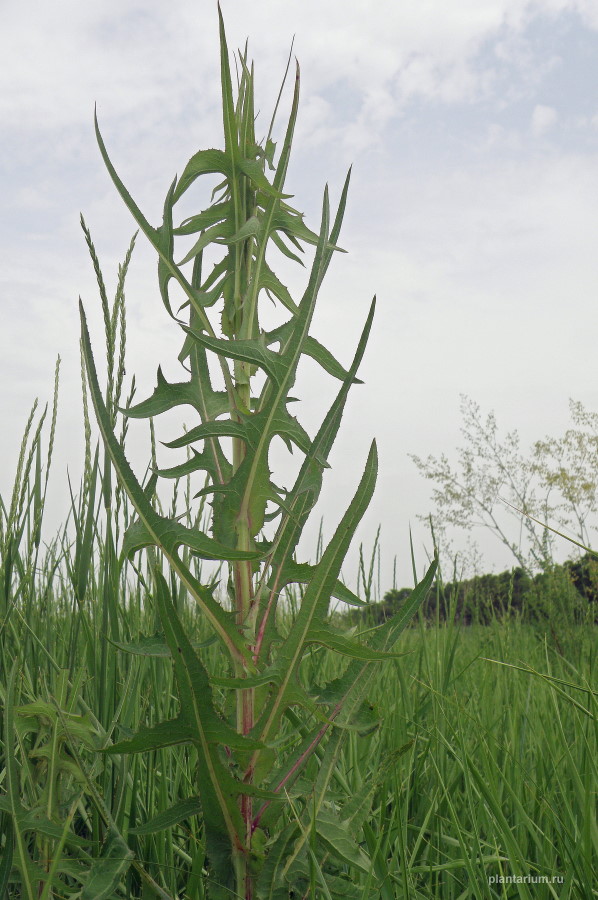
x: 268, y: 828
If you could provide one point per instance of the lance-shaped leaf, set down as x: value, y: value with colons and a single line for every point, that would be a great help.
x: 302, y: 573
x: 159, y: 238
x: 270, y: 282
x: 21, y: 857
x: 157, y: 527
x: 221, y: 428
x: 312, y: 348
x: 314, y: 606
x: 166, y: 240
x: 199, y: 723
x: 305, y: 493
x: 344, y: 698
x: 252, y: 482
x: 179, y: 812
x: 168, y: 532
x: 217, y: 789
x: 217, y: 234
x: 254, y: 352
x: 155, y: 645
x: 204, y: 162
x: 210, y: 216
x: 107, y: 872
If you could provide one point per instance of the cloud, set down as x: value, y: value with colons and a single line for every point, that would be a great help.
x: 480, y: 248
x: 543, y: 119
x: 143, y: 60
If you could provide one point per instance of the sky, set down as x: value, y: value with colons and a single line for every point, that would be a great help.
x: 472, y: 130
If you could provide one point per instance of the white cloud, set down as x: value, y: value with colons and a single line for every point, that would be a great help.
x: 485, y: 271
x: 543, y: 119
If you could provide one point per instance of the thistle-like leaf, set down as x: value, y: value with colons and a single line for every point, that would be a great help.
x: 157, y: 528
x: 169, y: 533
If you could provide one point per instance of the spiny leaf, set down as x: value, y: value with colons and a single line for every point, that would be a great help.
x: 338, y: 642
x: 306, y: 490
x: 254, y: 352
x: 218, y: 234
x: 224, y: 826
x: 221, y: 428
x: 302, y: 573
x: 270, y: 282
x: 197, y: 462
x: 17, y: 811
x: 168, y: 532
x: 215, y: 213
x: 160, y: 532
x: 314, y: 606
x: 337, y: 838
x: 6, y: 861
x: 204, y: 162
x: 163, y: 734
x: 166, y: 241
x: 314, y: 349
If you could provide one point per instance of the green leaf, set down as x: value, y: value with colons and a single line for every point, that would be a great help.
x: 268, y: 281
x: 155, y: 646
x: 17, y: 811
x: 146, y: 228
x: 250, y: 228
x: 197, y: 462
x: 210, y: 216
x: 338, y: 642
x: 204, y: 162
x: 314, y: 606
x: 173, y: 534
x: 157, y: 528
x: 166, y: 244
x: 163, y: 734
x: 217, y: 789
x: 179, y: 812
x: 336, y: 837
x: 254, y: 352
x: 6, y: 860
x: 221, y: 428
x: 302, y: 573
x: 307, y: 487
x: 161, y: 239
x: 166, y: 396
x: 253, y: 170
x: 314, y: 349
x: 106, y: 873
x: 219, y: 234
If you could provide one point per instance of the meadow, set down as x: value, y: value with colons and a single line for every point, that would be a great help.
x: 480, y: 760
x: 185, y: 713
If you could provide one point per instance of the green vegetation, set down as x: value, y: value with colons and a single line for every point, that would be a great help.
x: 181, y: 714
x: 562, y: 596
x: 479, y: 760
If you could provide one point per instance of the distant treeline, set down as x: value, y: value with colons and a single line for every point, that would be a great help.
x: 567, y: 591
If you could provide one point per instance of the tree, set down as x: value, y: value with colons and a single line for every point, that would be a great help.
x: 514, y: 496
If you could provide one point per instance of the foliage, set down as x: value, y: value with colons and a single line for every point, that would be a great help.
x: 477, y: 769
x: 495, y: 485
x: 253, y: 724
x: 563, y: 595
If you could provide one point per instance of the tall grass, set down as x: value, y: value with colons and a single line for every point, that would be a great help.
x: 484, y: 764
x: 148, y: 751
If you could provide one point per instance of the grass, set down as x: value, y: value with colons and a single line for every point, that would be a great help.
x: 483, y: 764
